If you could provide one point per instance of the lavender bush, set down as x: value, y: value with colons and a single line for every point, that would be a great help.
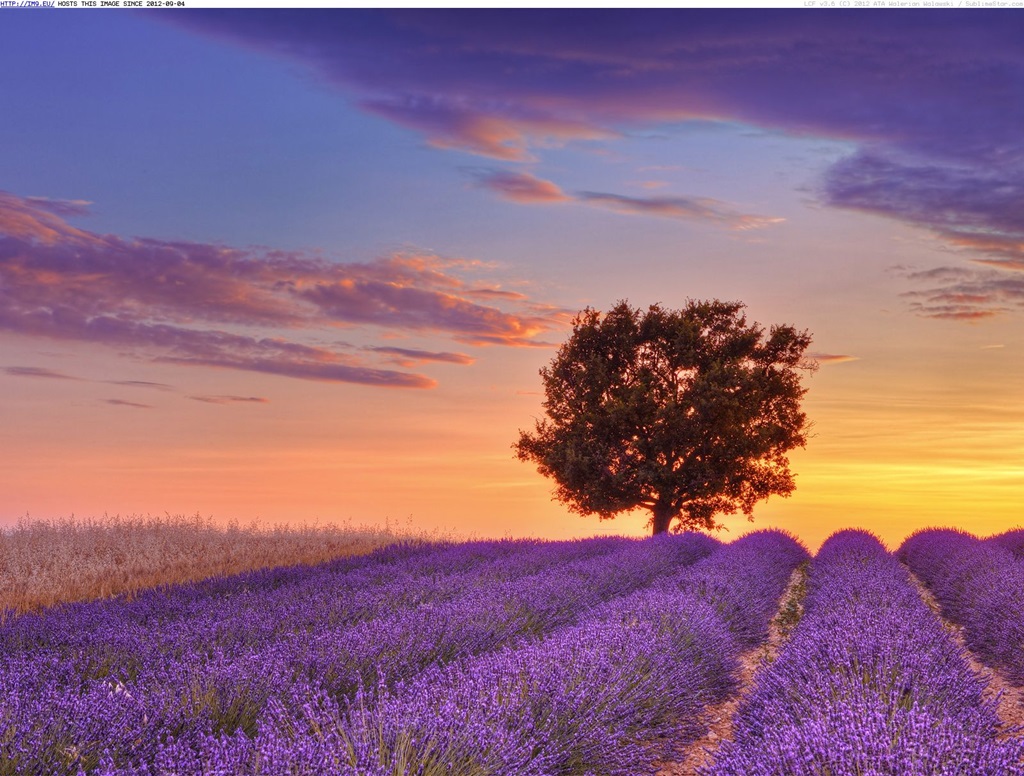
x: 870, y: 683
x: 745, y: 581
x: 1010, y: 540
x: 979, y: 585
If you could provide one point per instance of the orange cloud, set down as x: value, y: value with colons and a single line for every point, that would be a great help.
x: 499, y: 136
x: 522, y: 187
x: 33, y: 218
x: 831, y: 358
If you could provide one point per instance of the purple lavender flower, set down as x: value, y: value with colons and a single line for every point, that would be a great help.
x: 193, y: 671
x: 979, y: 585
x: 870, y: 683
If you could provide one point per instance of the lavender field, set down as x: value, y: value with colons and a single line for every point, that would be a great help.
x: 600, y: 656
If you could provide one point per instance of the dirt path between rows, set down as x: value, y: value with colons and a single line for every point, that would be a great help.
x: 717, y: 719
x: 1010, y: 704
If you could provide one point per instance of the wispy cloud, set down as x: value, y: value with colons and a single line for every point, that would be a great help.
x: 65, y: 208
x: 410, y: 356
x: 508, y: 135
x: 521, y: 187
x: 34, y: 219
x: 495, y: 293
x: 415, y: 298
x: 196, y: 303
x: 35, y: 371
x: 965, y: 293
x: 123, y: 403
x: 831, y: 358
x: 142, y: 384
x: 279, y: 357
x: 682, y: 208
x: 527, y: 189
x: 228, y: 399
x: 974, y: 207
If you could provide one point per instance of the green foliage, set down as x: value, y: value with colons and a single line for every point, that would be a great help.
x: 688, y: 413
x: 792, y: 609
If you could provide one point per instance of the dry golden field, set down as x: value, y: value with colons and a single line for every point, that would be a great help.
x: 45, y: 562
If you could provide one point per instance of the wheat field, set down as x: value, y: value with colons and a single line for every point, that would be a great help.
x: 45, y: 562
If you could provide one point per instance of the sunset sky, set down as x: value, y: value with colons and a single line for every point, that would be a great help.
x: 297, y: 266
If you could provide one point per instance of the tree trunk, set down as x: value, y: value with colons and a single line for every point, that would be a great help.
x: 663, y: 514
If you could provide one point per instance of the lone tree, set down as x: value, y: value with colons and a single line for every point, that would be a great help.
x: 687, y: 413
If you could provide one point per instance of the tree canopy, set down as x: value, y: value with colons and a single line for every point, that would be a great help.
x: 688, y: 413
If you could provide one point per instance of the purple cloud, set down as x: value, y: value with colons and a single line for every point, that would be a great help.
x: 591, y: 71
x: 965, y: 293
x: 931, y: 102
x: 944, y: 197
x: 976, y: 208
x: 409, y: 356
x: 330, y: 371
x: 198, y: 303
x: 387, y: 303
x: 35, y: 371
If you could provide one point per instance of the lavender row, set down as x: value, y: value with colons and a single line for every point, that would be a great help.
x: 183, y: 663
x: 294, y: 598
x: 203, y: 635
x: 604, y: 696
x: 62, y: 714
x: 979, y: 585
x: 401, y: 644
x: 745, y: 583
x: 1011, y: 540
x: 870, y: 683
x: 154, y: 602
